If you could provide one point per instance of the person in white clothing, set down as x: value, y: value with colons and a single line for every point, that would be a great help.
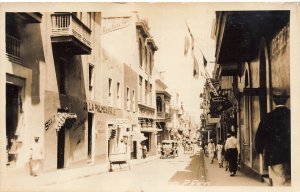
x: 231, y: 147
x: 211, y: 148
x: 36, y: 155
x: 122, y: 147
x: 219, y: 154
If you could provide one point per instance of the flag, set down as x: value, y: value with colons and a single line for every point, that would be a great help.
x: 204, y: 61
x: 196, y: 67
x: 186, y: 45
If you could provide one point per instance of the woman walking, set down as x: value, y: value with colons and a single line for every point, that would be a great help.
x: 232, y: 153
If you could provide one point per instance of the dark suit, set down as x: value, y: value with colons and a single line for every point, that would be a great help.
x: 274, y: 136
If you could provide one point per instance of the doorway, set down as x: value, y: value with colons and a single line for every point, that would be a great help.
x: 12, y: 118
x: 61, y: 148
x: 90, y: 128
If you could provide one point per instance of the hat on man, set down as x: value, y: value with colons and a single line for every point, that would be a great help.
x: 280, y: 93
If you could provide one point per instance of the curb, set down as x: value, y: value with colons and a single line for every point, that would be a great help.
x: 101, y: 169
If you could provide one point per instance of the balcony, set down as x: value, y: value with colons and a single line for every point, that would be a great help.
x: 70, y: 34
x: 160, y: 115
x: 13, y: 49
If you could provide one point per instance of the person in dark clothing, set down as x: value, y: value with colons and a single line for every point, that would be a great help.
x: 273, y: 140
x: 231, y: 148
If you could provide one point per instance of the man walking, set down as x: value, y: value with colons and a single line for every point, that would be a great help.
x: 273, y: 139
x: 231, y: 148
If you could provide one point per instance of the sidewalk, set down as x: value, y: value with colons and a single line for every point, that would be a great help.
x: 216, y: 176
x: 20, y: 179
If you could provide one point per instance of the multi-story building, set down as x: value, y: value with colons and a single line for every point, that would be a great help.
x: 134, y: 46
x: 163, y: 99
x: 253, y: 51
x: 51, y: 67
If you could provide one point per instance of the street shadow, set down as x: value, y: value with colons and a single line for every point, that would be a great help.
x: 189, y: 175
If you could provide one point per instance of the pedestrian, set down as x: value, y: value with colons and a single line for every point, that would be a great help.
x: 224, y: 153
x: 36, y: 155
x: 219, y: 154
x: 159, y: 148
x: 211, y: 148
x: 231, y: 149
x: 122, y: 147
x: 273, y: 140
x: 144, y: 150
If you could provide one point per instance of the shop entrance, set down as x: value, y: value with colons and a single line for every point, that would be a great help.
x: 90, y: 128
x: 61, y: 148
x: 12, y: 118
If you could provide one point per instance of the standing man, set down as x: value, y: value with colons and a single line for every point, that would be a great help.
x: 36, y: 155
x: 273, y: 139
x: 231, y: 150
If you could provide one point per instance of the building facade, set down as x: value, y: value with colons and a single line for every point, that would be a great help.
x: 163, y: 100
x: 134, y: 46
x: 52, y: 66
x: 253, y: 51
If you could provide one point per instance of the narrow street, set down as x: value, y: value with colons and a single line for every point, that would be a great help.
x: 186, y: 172
x: 157, y: 175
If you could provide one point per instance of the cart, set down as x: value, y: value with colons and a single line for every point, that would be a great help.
x: 168, y: 149
x: 118, y: 158
x: 189, y: 148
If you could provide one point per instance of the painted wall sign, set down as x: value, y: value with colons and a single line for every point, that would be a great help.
x: 112, y: 24
x: 93, y: 107
x: 49, y: 122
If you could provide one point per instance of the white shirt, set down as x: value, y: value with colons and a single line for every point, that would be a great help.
x: 231, y: 143
x: 36, y: 151
x: 122, y: 148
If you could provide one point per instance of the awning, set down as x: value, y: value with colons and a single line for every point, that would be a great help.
x: 138, y: 136
x: 150, y: 129
x: 62, y: 117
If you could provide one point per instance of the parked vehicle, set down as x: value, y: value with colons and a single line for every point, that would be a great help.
x: 169, y: 149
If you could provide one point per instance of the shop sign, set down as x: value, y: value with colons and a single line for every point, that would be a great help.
x: 94, y: 107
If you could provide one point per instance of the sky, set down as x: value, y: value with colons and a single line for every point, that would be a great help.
x: 168, y: 26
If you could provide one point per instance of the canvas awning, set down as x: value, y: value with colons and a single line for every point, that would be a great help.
x: 150, y: 129
x: 138, y: 136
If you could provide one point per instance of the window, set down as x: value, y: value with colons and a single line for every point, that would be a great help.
x: 128, y: 99
x: 140, y: 88
x: 151, y: 63
x: 146, y: 59
x: 150, y: 95
x: 146, y: 91
x: 118, y: 96
x: 110, y: 98
x: 133, y: 101
x: 91, y: 76
x: 141, y: 52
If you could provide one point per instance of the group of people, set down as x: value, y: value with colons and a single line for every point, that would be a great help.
x: 227, y: 152
x: 272, y: 140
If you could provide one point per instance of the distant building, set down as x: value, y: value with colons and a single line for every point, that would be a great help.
x: 134, y: 46
x: 163, y: 100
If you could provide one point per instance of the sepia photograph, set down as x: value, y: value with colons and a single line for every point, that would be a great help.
x: 149, y: 96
